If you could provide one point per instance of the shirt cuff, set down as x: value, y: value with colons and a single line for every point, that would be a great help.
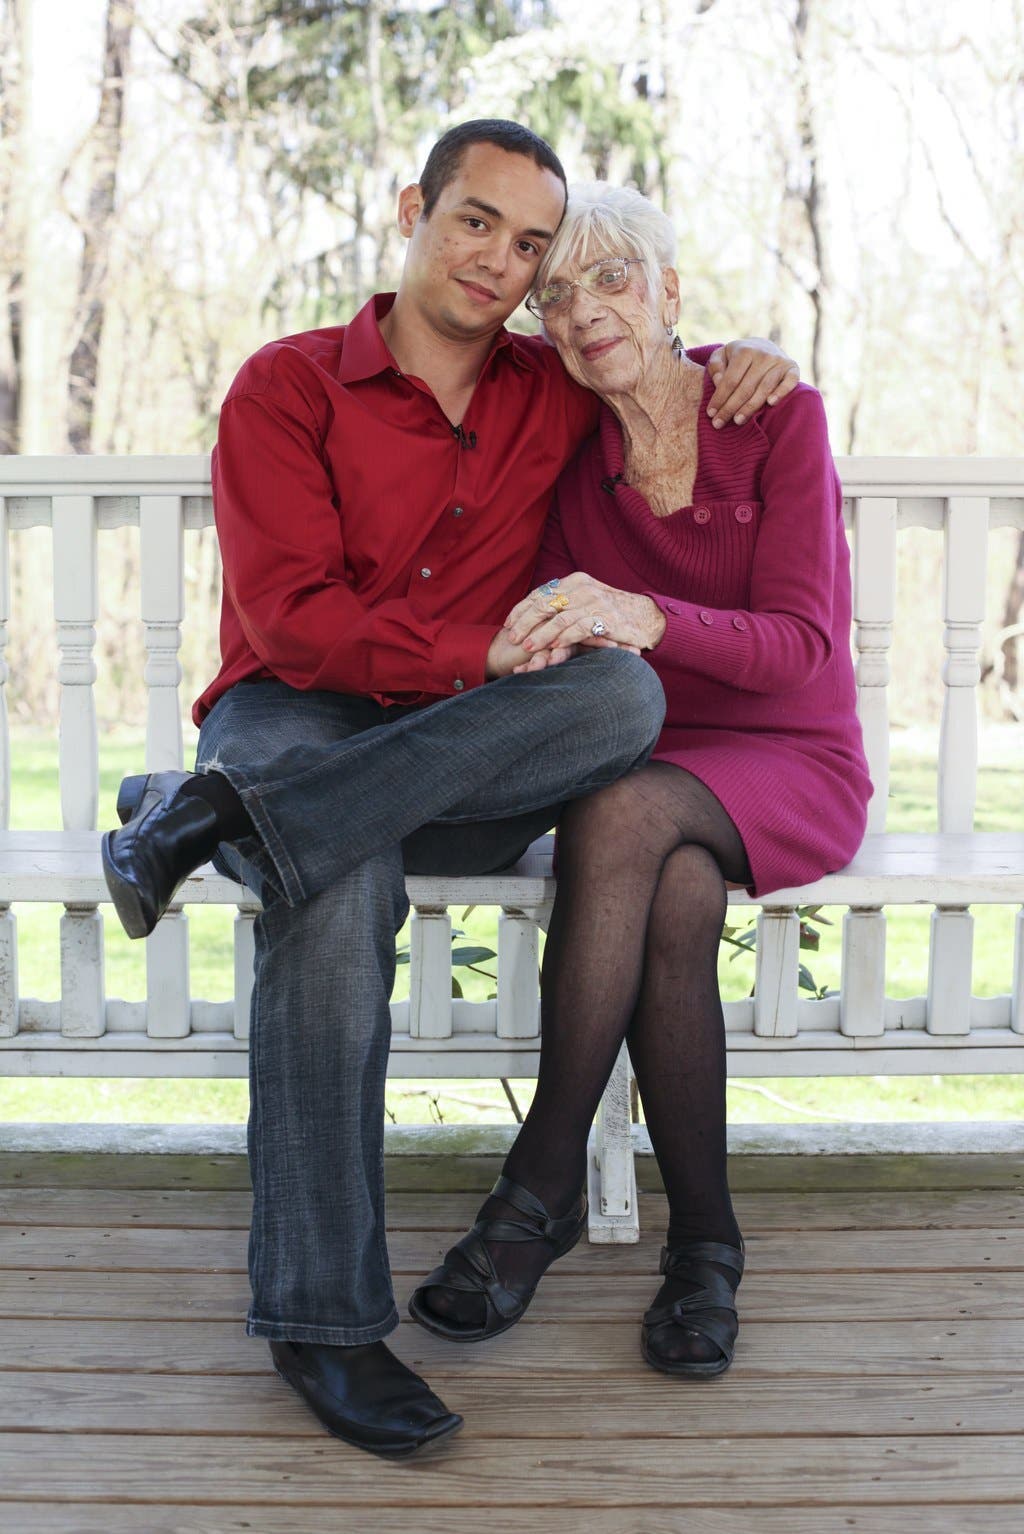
x: 460, y: 657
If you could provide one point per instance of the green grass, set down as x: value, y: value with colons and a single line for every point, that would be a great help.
x: 35, y: 802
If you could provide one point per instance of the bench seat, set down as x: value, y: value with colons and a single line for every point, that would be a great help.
x: 931, y: 868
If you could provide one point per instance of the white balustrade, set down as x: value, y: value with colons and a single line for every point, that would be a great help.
x: 168, y: 499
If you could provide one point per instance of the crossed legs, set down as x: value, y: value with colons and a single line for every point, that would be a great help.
x: 631, y: 954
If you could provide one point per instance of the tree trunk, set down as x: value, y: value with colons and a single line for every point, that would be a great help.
x: 12, y: 216
x: 97, y: 229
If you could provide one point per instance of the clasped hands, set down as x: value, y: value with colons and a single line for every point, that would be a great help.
x: 563, y: 617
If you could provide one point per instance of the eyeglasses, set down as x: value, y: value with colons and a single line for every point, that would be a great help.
x: 604, y: 277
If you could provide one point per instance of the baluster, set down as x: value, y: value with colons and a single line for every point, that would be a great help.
x: 874, y: 602
x: 75, y: 604
x: 963, y: 608
x: 430, y: 978
x: 862, y: 992
x: 245, y: 959
x: 8, y: 921
x: 1017, y: 998
x: 5, y: 613
x: 963, y: 605
x: 161, y: 538
x: 82, y: 994
x: 776, y: 974
x: 518, y: 992
x: 168, y: 1005
x: 163, y: 609
x: 8, y: 973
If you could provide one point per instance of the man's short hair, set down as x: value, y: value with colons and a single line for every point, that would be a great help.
x: 445, y: 159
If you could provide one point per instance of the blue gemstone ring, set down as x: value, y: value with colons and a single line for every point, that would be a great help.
x: 549, y: 588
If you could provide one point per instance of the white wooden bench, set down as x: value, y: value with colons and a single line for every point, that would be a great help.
x: 775, y: 1032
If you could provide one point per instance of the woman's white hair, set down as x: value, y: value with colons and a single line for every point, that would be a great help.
x: 601, y: 219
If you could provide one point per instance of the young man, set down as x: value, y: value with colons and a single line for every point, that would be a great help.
x: 380, y: 490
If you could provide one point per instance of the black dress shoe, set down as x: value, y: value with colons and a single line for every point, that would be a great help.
x: 165, y: 835
x: 366, y: 1396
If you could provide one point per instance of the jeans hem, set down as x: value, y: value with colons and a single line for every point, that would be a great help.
x: 333, y: 1336
x: 287, y: 875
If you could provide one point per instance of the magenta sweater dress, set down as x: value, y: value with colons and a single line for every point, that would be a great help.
x: 754, y: 582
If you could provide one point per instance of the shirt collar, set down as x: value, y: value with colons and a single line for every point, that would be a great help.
x: 365, y: 353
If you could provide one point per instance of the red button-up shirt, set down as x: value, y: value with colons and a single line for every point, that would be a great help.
x: 367, y: 547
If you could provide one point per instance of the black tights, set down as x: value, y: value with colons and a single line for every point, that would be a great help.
x: 632, y: 954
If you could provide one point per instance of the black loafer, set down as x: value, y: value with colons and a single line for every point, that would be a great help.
x: 366, y: 1396
x: 165, y: 835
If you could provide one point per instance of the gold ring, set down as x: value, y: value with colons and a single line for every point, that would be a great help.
x: 559, y: 602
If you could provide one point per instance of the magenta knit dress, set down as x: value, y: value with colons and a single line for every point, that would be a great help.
x: 754, y: 581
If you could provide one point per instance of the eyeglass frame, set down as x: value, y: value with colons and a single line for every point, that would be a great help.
x: 580, y: 282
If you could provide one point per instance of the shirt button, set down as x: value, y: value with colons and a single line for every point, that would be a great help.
x: 425, y: 573
x: 744, y: 513
x: 705, y: 616
x: 457, y: 512
x: 702, y: 515
x: 458, y: 684
x: 740, y: 623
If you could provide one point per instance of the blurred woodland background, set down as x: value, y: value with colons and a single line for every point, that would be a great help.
x: 182, y: 180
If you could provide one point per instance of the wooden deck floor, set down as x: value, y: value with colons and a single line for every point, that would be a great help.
x: 878, y: 1385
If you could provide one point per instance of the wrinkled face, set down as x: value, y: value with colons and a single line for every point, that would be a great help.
x: 610, y: 341
x: 472, y: 261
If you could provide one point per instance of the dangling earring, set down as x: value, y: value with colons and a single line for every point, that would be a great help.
x: 677, y: 345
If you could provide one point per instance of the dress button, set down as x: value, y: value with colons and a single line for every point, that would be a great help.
x: 458, y: 684
x: 705, y: 616
x: 458, y: 511
x: 702, y: 515
x: 425, y: 573
x: 670, y: 607
x: 744, y: 513
x: 740, y: 623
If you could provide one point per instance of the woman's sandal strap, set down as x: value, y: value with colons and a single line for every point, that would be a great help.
x: 690, y: 1261
x: 682, y: 1254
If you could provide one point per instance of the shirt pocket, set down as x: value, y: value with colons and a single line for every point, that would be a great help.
x: 719, y: 539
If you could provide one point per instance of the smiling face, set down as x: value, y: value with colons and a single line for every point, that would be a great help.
x: 611, y: 342
x: 471, y: 262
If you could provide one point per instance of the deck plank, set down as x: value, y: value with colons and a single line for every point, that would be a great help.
x: 165, y: 1250
x: 113, y: 1518
x: 231, y: 1210
x: 643, y: 1405
x: 577, y: 1349
x: 785, y: 1296
x: 473, y: 1471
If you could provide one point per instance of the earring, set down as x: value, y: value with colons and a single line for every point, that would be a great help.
x: 677, y: 347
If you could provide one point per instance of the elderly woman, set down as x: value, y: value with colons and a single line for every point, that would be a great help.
x: 722, y: 558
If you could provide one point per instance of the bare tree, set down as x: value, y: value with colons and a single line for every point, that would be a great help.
x: 13, y: 74
x: 97, y: 223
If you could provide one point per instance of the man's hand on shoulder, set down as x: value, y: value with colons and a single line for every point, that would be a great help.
x: 748, y: 374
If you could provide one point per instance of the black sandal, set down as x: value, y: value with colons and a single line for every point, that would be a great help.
x: 473, y: 1271
x: 692, y: 1261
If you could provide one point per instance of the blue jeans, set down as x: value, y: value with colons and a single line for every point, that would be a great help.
x: 346, y: 797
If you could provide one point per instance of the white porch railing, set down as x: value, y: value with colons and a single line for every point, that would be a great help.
x: 776, y: 1031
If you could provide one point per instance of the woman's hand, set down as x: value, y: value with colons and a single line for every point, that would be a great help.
x: 586, y: 612
x: 747, y: 375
